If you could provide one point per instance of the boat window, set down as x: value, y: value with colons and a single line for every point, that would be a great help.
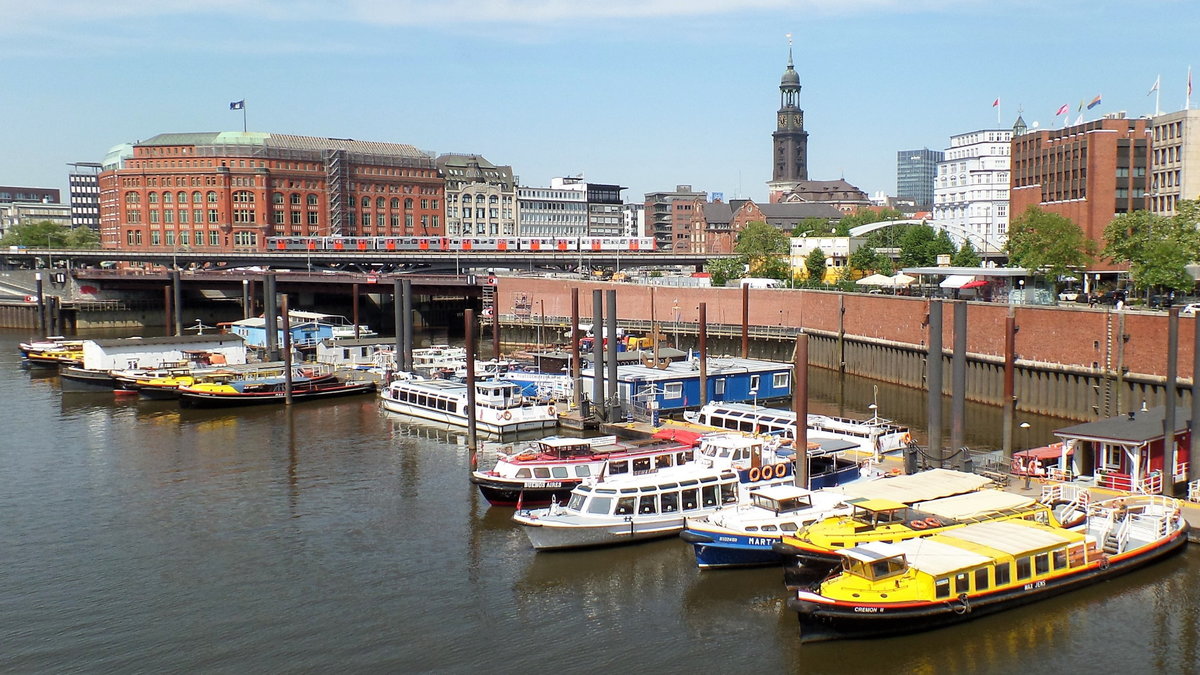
x: 769, y: 528
x: 615, y: 468
x: 1041, y: 563
x: 683, y: 457
x: 647, y: 504
x: 962, y: 582
x: 1022, y: 568
x: 1003, y: 573
x: 641, y: 465
x: 599, y: 505
x: 689, y: 499
x: 541, y: 472
x: 1060, y: 559
x: 662, y: 461
x: 559, y: 471
x: 981, y: 579
x: 688, y: 482
x: 577, y: 500
x: 789, y: 527
x: 523, y: 473
x: 583, y: 471
x: 624, y: 506
x: 709, y: 494
x: 752, y: 528
x: 669, y: 502
x: 941, y: 588
x: 729, y: 493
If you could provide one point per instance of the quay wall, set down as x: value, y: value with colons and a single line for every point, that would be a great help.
x: 1072, y: 361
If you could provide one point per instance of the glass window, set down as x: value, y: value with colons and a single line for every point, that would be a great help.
x: 1022, y: 568
x: 559, y: 471
x: 981, y: 579
x: 1041, y: 563
x: 541, y: 472
x: 689, y: 498
x: 583, y: 471
x: 941, y: 588
x: 962, y: 582
x: 1060, y: 559
x: 670, y: 502
x: 618, y: 467
x: 625, y: 506
x: 599, y: 505
x: 710, y: 495
x: 647, y: 504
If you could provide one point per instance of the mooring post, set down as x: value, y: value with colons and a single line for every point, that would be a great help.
x: 472, y: 435
x: 598, y: 403
x: 745, y: 321
x: 614, y: 392
x: 1010, y: 378
x: 410, y: 318
x: 270, y: 317
x: 933, y: 380
x: 702, y: 332
x: 1193, y: 472
x: 287, y: 349
x: 958, y: 385
x: 354, y: 308
x: 1169, y: 414
x: 576, y: 370
x: 800, y: 406
x: 177, y: 291
x: 41, y: 303
x: 398, y: 319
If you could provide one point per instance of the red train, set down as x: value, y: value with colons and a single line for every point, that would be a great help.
x: 452, y: 244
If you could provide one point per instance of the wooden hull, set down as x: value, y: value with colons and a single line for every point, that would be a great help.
x: 202, y: 399
x: 80, y: 379
x: 505, y: 492
x: 820, y: 621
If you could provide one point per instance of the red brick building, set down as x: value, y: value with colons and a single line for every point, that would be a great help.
x: 1088, y: 172
x: 227, y: 191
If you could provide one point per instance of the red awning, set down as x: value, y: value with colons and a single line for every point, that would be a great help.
x: 676, y: 434
x: 974, y: 284
x: 1052, y: 451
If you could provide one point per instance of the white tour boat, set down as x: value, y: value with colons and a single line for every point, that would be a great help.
x: 499, y: 406
x: 655, y: 503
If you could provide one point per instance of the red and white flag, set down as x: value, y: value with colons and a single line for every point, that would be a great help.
x: 996, y: 103
x: 1063, y: 110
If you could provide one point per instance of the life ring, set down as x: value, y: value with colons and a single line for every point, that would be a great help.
x: 918, y: 524
x: 1104, y: 563
x: 506, y: 415
x: 755, y: 475
x: 769, y: 472
x: 907, y: 439
x: 933, y: 522
x: 550, y: 410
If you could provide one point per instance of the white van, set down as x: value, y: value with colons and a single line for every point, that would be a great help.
x: 760, y: 283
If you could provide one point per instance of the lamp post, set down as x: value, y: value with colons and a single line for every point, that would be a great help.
x: 1025, y: 446
x: 754, y: 397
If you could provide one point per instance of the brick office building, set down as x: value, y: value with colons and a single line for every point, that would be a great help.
x: 1088, y: 172
x: 228, y: 191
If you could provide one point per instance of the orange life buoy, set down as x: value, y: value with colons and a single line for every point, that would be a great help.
x: 550, y: 410
x: 506, y: 415
x: 933, y: 522
x: 755, y: 474
x: 918, y: 524
x: 768, y: 472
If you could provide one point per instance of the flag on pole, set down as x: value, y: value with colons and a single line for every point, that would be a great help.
x: 237, y: 105
x: 1189, y: 81
x: 1155, y: 87
x: 1062, y: 110
x: 996, y: 103
x: 1095, y: 102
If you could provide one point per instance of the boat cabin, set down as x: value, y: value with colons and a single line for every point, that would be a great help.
x: 1126, y: 452
x: 779, y: 499
x: 682, y: 495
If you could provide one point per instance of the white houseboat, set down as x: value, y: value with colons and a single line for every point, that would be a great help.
x: 499, y: 406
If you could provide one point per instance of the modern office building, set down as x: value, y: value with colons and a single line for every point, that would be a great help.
x: 560, y: 210
x: 226, y: 191
x: 669, y: 218
x: 84, y: 185
x: 1174, y: 161
x: 481, y: 197
x: 1088, y: 172
x: 971, y: 194
x: 606, y: 211
x: 15, y: 213
x: 916, y: 174
x: 28, y: 194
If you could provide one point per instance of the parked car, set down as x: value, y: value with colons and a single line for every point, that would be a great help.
x: 1071, y: 295
x: 1111, y: 297
x: 1190, y: 309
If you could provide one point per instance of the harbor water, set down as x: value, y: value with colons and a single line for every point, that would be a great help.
x: 333, y: 536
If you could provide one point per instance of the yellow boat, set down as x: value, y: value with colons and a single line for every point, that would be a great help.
x: 816, y: 549
x: 66, y: 353
x: 921, y: 583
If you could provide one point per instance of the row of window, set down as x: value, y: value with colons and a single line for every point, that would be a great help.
x: 1000, y: 574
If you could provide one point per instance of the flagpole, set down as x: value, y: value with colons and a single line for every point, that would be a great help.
x: 243, y: 116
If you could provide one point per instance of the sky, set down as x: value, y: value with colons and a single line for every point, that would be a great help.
x: 648, y: 94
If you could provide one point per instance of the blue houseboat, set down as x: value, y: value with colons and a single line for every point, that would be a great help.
x: 305, y: 333
x: 676, y: 387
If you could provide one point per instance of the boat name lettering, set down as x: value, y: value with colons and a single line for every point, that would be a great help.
x: 758, y: 541
x: 1036, y: 584
x: 544, y: 484
x: 869, y: 610
x: 731, y: 540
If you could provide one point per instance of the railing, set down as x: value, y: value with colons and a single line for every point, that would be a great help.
x: 1193, y: 493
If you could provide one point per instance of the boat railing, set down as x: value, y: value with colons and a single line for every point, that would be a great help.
x: 1151, y: 484
x: 1076, y: 495
x: 1181, y: 472
x: 1193, y: 493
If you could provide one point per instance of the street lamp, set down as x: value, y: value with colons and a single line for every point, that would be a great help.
x: 754, y: 396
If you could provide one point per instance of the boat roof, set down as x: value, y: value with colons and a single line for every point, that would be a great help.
x: 1014, y: 537
x: 938, y: 558
x: 566, y: 441
x: 781, y: 492
x: 694, y: 473
x: 1052, y: 451
x: 879, y: 504
x: 732, y: 441
x: 974, y: 504
x: 917, y: 487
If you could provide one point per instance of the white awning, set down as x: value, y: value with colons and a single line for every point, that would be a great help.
x: 956, y: 281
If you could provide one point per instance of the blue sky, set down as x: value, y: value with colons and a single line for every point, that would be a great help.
x: 645, y: 93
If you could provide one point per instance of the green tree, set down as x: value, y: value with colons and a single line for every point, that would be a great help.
x: 40, y: 234
x: 1047, y: 243
x: 966, y: 256
x: 82, y: 238
x: 810, y: 226
x: 815, y: 265
x: 917, y: 246
x: 723, y: 270
x: 760, y: 239
x: 1157, y: 248
x: 864, y: 260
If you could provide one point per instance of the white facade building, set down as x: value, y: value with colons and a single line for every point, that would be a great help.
x: 1175, y: 167
x: 971, y: 190
x: 560, y: 210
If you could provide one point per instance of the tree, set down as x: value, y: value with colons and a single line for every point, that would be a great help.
x: 48, y: 234
x: 917, y: 246
x: 815, y: 265
x: 863, y: 260
x: 722, y: 270
x: 810, y: 226
x: 1048, y: 243
x: 760, y: 239
x: 1157, y: 248
x: 966, y: 256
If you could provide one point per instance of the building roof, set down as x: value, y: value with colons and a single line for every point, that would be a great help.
x: 798, y: 211
x: 168, y: 340
x: 1135, y: 428
x: 284, y: 142
x: 717, y: 212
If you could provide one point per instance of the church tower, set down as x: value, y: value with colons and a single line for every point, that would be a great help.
x: 790, y: 140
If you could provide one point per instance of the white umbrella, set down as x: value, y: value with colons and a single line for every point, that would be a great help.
x: 902, y: 279
x: 875, y: 280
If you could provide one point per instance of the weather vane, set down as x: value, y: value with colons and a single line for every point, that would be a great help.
x: 789, y: 37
